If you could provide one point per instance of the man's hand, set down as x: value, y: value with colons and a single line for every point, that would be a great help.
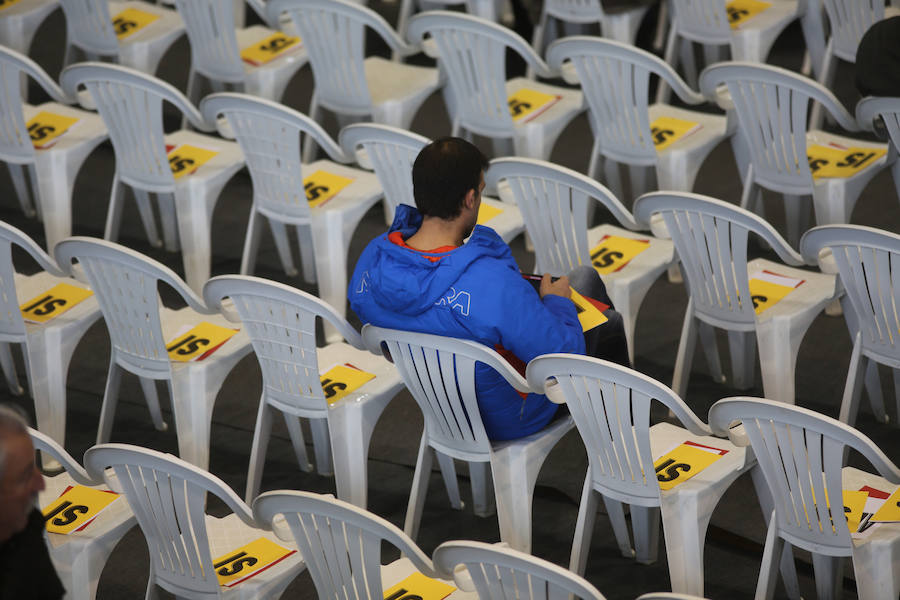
x: 560, y: 287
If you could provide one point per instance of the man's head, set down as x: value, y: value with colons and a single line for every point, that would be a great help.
x: 445, y: 172
x: 20, y: 480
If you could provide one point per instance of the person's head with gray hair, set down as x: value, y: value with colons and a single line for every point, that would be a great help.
x: 20, y: 479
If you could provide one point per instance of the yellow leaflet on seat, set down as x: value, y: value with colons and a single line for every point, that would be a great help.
x: 130, y: 21
x: 186, y: 159
x: 269, y: 48
x: 341, y: 380
x: 322, y: 186
x: 683, y: 462
x: 526, y: 104
x: 668, y: 130
x: 45, y: 127
x: 828, y: 161
x: 742, y: 10
x: 890, y: 510
x: 243, y: 563
x: 54, y: 302
x: 766, y: 293
x: 588, y: 315
x: 75, y: 508
x: 4, y: 4
x: 854, y: 504
x: 420, y: 587
x: 199, y: 342
x: 486, y: 213
x: 614, y: 252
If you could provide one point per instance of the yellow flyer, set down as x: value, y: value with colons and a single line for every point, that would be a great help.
x: 4, y: 4
x: 486, y: 213
x: 186, y: 159
x: 322, y: 186
x: 589, y: 314
x: 685, y: 461
x: 75, y: 508
x: 767, y: 289
x: 854, y: 504
x: 668, y: 130
x: 614, y: 252
x: 421, y: 587
x: 198, y: 342
x: 243, y: 563
x: 54, y: 302
x: 830, y: 161
x: 890, y: 510
x: 45, y: 128
x: 130, y: 21
x: 742, y: 10
x: 525, y: 104
x: 341, y: 380
x: 269, y: 48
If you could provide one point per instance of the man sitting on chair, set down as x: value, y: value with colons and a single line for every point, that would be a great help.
x: 423, y: 275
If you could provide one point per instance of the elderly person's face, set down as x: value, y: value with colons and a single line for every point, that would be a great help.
x: 19, y: 486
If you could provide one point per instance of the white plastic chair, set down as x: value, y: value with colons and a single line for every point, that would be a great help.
x: 865, y: 259
x: 126, y: 284
x: 472, y: 52
x: 556, y: 202
x: 80, y: 556
x: 281, y: 323
x: 269, y: 135
x: 888, y: 109
x: 49, y: 346
x: 131, y: 104
x: 771, y: 105
x: 611, y: 408
x: 621, y: 25
x: 800, y: 454
x: 215, y: 52
x: 20, y: 21
x: 615, y: 78
x: 168, y: 497
x: 342, y: 544
x: 391, y: 152
x: 348, y: 83
x: 710, y: 238
x: 90, y: 29
x: 440, y: 374
x: 500, y: 573
x: 51, y: 171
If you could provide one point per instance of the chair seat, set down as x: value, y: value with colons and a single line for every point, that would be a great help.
x: 823, y: 138
x: 89, y: 129
x: 19, y: 22
x: 655, y: 258
x: 713, y: 129
x: 558, y: 115
x: 176, y: 322
x: 26, y: 8
x: 884, y: 540
x: 386, y: 381
x: 218, y: 169
x: 30, y: 286
x: 293, y: 58
x: 816, y: 291
x: 168, y: 27
x: 393, y: 82
x: 400, y: 569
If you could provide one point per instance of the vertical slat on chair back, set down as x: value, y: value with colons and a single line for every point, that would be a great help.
x: 575, y: 10
x: 556, y: 217
x: 850, y: 19
x: 392, y: 162
x: 90, y: 26
x: 211, y: 30
x: 15, y: 141
x: 494, y: 581
x: 702, y: 20
x: 12, y: 326
x: 336, y: 45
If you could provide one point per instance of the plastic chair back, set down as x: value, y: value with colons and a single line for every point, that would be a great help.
x: 340, y: 543
x: 89, y: 26
x: 269, y: 136
x: 710, y: 237
x: 704, y: 21
x: 801, y: 453
x: 390, y: 152
x: 211, y: 30
x: 497, y: 573
x: 575, y: 11
x: 131, y: 105
x: 45, y: 443
x: 611, y: 408
x: 440, y: 374
x: 888, y: 109
x: 850, y: 19
x: 168, y: 497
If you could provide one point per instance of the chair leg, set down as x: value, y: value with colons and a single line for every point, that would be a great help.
x: 116, y: 205
x: 448, y: 473
x: 168, y: 215
x: 765, y: 586
x: 711, y: 351
x: 793, y: 209
x: 613, y: 179
x: 829, y: 571
x: 9, y: 370
x: 664, y: 92
x: 685, y: 355
x: 309, y: 145
x: 142, y: 197
x: 17, y: 173
x: 873, y: 389
x: 742, y: 345
x: 251, y: 242
x: 280, y: 234
x: 482, y: 489
x: 896, y: 377
x: 110, y: 399
x: 645, y: 523
x: 826, y: 77
x: 261, y: 435
x: 149, y: 388
x: 321, y: 446
x: 295, y: 431
x: 584, y: 527
x: 853, y: 387
x: 308, y: 253
x: 418, y: 491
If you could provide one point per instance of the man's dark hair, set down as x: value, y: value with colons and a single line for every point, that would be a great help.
x: 443, y: 173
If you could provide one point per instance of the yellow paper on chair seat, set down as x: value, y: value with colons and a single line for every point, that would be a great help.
x: 270, y: 48
x: 420, y: 587
x: 668, y: 130
x: 342, y: 380
x: 742, y: 10
x: 830, y: 161
x: 45, y: 128
x: 198, y: 342
x: 890, y: 510
x: 76, y: 508
x: 768, y: 289
x: 854, y: 504
x: 526, y: 104
x: 54, y: 302
x: 614, y: 252
x: 186, y: 159
x: 250, y: 559
x: 131, y: 20
x: 486, y: 213
x: 322, y: 186
x: 4, y: 4
x: 588, y: 314
x: 683, y: 462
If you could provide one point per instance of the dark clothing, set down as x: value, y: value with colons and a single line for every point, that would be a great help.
x: 878, y: 59
x: 26, y: 572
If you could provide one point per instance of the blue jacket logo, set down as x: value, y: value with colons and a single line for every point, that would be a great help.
x: 455, y: 299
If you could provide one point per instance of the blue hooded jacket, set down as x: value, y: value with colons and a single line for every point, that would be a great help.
x: 474, y: 292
